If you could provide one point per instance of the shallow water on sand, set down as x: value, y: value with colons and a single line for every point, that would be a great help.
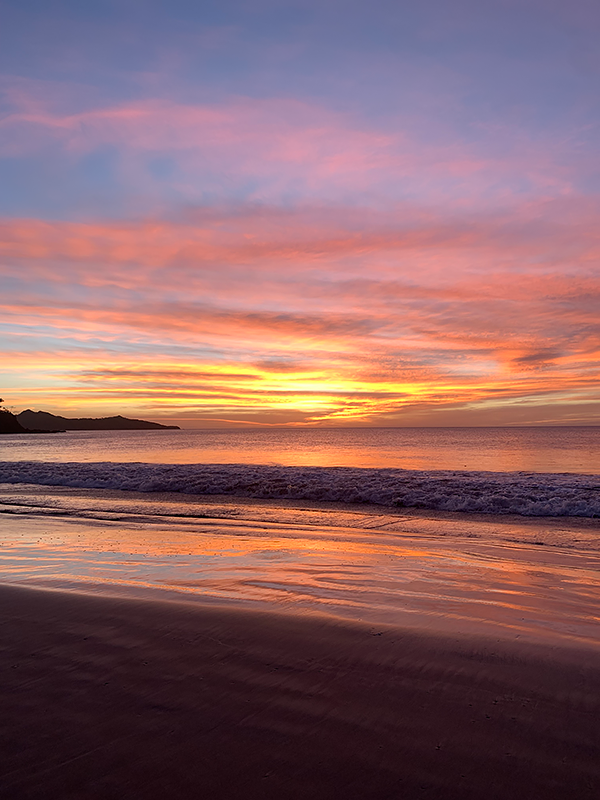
x: 514, y: 578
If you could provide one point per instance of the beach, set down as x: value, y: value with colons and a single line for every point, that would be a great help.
x: 160, y: 645
x: 107, y: 697
x: 264, y: 616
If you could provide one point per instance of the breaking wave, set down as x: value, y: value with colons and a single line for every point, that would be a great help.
x: 529, y: 494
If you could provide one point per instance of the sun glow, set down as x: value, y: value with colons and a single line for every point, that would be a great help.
x: 194, y: 250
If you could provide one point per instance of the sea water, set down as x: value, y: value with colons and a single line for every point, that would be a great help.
x: 556, y: 449
x: 356, y: 522
x: 527, y: 471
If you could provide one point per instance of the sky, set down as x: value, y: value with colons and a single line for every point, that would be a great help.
x: 339, y: 213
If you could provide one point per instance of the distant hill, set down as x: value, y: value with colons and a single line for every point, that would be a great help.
x: 9, y: 423
x: 43, y: 421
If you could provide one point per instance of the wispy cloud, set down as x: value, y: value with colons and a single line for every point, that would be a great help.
x: 325, y: 223
x: 277, y: 150
x: 310, y: 309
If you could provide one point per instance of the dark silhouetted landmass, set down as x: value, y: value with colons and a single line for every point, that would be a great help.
x: 43, y: 421
x: 9, y: 423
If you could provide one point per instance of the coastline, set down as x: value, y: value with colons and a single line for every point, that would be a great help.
x: 160, y: 645
x: 160, y: 699
x: 497, y: 577
x: 522, y: 493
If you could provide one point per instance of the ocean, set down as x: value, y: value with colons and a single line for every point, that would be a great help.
x: 556, y: 449
x: 497, y: 528
x: 528, y: 471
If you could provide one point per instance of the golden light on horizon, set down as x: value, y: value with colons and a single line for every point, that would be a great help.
x: 356, y: 307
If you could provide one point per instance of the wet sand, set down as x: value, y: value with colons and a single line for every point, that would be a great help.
x: 160, y: 647
x: 111, y: 698
x: 500, y: 579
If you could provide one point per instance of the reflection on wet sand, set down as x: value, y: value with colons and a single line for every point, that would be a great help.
x: 380, y: 568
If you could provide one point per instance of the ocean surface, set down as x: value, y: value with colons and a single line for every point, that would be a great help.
x: 574, y: 450
x: 462, y: 529
x: 526, y: 471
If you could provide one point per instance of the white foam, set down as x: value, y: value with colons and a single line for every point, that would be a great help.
x: 530, y: 494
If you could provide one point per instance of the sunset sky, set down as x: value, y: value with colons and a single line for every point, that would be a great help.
x: 305, y: 213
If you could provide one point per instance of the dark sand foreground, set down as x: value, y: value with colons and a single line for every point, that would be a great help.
x: 110, y: 698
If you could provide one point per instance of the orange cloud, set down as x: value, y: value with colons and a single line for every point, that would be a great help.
x: 313, y: 315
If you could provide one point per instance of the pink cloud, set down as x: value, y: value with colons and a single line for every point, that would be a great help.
x: 285, y: 146
x: 208, y: 249
x: 388, y: 305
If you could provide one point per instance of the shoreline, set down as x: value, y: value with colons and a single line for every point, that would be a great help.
x: 108, y: 697
x: 528, y: 494
x: 404, y: 514
x: 523, y: 579
x: 231, y: 660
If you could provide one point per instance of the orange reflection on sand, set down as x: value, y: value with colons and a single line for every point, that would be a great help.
x: 387, y: 577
